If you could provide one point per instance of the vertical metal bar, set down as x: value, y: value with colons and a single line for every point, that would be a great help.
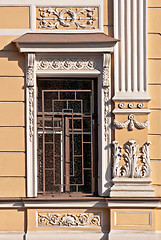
x: 91, y: 142
x: 67, y: 160
x: 62, y: 162
x: 43, y: 143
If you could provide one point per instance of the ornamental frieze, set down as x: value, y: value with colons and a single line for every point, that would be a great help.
x: 67, y: 18
x: 66, y: 64
x: 68, y: 219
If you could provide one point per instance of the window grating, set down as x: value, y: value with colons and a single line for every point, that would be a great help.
x: 66, y: 120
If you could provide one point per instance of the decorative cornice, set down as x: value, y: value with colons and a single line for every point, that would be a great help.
x: 66, y: 64
x: 53, y: 18
x: 68, y: 219
x: 132, y: 158
x: 131, y: 123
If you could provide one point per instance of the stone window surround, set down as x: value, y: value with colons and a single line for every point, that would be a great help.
x: 102, y: 71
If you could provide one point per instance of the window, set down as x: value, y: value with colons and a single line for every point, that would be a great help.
x: 67, y: 136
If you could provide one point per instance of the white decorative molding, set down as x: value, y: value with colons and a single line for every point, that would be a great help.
x: 106, y: 85
x: 67, y: 234
x: 31, y: 112
x: 31, y: 128
x: 52, y: 18
x: 66, y: 64
x: 121, y: 105
x: 68, y: 219
x: 130, y: 56
x: 132, y: 158
x: 131, y: 123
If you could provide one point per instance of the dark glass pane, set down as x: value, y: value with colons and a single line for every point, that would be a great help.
x: 72, y: 188
x: 57, y: 170
x: 48, y: 99
x: 49, y: 180
x: 49, y: 155
x: 87, y: 188
x: 87, y: 124
x: 87, y: 155
x: 48, y: 123
x: 67, y: 95
x: 86, y: 137
x: 57, y: 123
x: 78, y: 144
x: 58, y: 106
x: 77, y: 179
x: 85, y: 96
x: 77, y: 123
x: 75, y: 105
x: 48, y: 137
x: 58, y: 144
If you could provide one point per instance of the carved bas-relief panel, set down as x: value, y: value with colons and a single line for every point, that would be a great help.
x: 67, y: 18
x: 131, y: 170
x: 55, y: 219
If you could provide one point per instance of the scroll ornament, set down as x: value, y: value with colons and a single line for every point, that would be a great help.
x: 80, y: 19
x: 131, y: 123
x: 69, y: 219
x: 137, y: 164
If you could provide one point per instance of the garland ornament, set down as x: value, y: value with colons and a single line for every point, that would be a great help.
x: 131, y: 123
x: 137, y: 164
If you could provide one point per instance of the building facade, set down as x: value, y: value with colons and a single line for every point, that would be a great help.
x: 80, y: 125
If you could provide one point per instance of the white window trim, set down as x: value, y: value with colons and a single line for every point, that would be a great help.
x: 101, y: 71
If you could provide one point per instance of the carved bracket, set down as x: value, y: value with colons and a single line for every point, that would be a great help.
x: 131, y: 123
x: 137, y: 164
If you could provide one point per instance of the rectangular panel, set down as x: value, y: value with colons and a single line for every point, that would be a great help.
x: 12, y: 114
x: 11, y: 220
x: 155, y: 149
x: 155, y: 93
x: 12, y: 187
x: 154, y: 42
x: 132, y: 218
x: 12, y: 89
x: 154, y: 18
x: 9, y: 163
x: 14, y: 17
x: 154, y: 71
x: 12, y: 139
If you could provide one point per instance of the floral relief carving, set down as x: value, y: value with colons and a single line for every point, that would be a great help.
x: 31, y: 111
x: 131, y: 123
x: 66, y: 64
x: 30, y: 76
x: 68, y: 219
x: 137, y: 163
x: 54, y: 18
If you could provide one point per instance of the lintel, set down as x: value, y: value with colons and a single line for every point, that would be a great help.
x: 54, y: 42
